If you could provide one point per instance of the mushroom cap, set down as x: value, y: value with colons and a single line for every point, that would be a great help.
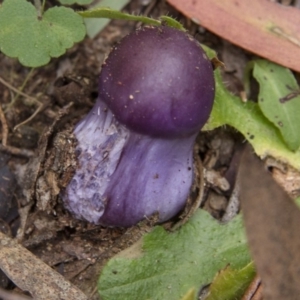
x: 158, y: 82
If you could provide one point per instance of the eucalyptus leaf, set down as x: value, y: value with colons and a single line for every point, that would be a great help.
x: 169, y: 265
x: 272, y: 222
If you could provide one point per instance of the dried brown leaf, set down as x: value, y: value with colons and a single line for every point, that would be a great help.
x: 30, y: 274
x: 272, y: 223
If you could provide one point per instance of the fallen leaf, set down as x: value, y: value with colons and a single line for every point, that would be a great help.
x: 31, y: 274
x: 260, y: 26
x: 272, y: 222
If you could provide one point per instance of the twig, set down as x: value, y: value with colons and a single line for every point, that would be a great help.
x: 254, y: 289
x: 16, y: 151
x: 6, y: 295
x: 94, y: 291
x: 21, y: 88
x: 18, y: 91
x: 4, y: 127
x: 41, y: 106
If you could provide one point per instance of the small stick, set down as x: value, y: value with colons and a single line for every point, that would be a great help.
x: 41, y: 106
x: 16, y: 151
x: 4, y: 127
x: 253, y: 290
x: 21, y: 88
x: 17, y: 91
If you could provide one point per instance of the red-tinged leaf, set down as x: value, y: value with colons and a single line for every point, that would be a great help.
x: 260, y: 26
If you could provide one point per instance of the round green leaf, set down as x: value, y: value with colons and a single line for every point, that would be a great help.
x: 35, y: 40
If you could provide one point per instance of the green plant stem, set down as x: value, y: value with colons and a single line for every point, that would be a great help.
x: 43, y: 6
x: 38, y: 6
x: 105, y: 12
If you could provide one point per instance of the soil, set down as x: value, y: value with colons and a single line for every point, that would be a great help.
x: 67, y: 88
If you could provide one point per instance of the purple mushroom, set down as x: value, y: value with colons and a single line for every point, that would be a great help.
x: 135, y: 147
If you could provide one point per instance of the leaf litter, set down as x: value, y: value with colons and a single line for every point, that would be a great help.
x: 43, y: 235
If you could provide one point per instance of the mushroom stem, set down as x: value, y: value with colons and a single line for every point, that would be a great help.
x: 120, y: 165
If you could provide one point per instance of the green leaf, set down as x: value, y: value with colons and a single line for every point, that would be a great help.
x: 279, y: 99
x: 190, y: 295
x: 231, y: 284
x: 34, y: 41
x: 169, y: 265
x: 80, y: 2
x: 248, y: 119
x: 95, y: 25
